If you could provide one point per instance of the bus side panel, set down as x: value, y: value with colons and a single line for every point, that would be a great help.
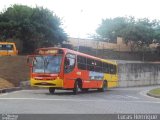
x: 68, y: 83
x: 85, y: 79
x: 95, y: 83
x: 87, y: 82
x: 69, y: 79
x: 94, y: 80
x: 112, y: 80
x: 90, y: 83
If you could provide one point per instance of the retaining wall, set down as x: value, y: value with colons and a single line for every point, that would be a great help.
x: 138, y: 74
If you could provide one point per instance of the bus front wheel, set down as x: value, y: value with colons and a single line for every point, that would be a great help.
x: 51, y: 90
x: 76, y: 87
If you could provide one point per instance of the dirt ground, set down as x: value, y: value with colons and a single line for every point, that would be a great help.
x: 13, y: 69
x: 5, y: 84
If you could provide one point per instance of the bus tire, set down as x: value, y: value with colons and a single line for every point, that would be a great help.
x: 76, y: 88
x: 51, y: 90
x: 104, y: 87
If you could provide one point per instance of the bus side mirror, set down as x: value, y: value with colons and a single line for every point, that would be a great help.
x: 17, y: 52
x: 29, y: 61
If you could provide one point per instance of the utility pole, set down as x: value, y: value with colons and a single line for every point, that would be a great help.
x: 78, y: 43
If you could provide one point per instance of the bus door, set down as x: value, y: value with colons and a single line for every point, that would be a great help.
x: 69, y: 73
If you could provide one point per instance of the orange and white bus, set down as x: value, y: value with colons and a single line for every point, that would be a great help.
x: 62, y: 68
x: 8, y: 49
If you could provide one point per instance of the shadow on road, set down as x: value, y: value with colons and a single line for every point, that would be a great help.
x: 80, y: 93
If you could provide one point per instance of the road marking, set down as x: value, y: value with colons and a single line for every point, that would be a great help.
x: 132, y: 97
x: 3, y: 94
x: 119, y: 95
x: 126, y: 96
x: 80, y: 100
x: 144, y: 93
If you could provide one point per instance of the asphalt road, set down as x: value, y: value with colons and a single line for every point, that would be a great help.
x: 115, y: 100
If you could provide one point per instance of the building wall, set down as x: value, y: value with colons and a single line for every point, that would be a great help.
x: 119, y: 46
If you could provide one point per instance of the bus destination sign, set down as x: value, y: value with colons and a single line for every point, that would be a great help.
x: 43, y: 52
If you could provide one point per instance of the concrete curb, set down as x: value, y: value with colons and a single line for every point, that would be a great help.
x: 5, y: 90
x: 152, y: 95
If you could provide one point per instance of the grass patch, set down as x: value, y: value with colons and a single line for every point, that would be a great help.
x: 155, y: 92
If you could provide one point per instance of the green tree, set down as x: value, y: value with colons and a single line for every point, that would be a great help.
x: 111, y: 28
x: 33, y: 27
x: 141, y: 31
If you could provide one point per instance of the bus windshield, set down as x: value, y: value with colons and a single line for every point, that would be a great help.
x: 6, y: 47
x: 47, y: 64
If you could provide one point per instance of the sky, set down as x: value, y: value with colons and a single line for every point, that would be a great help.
x: 81, y: 18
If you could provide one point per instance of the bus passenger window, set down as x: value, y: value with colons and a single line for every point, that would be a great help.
x: 113, y: 69
x: 81, y: 62
x: 106, y: 68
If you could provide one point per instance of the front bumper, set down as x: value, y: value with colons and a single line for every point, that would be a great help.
x: 57, y: 83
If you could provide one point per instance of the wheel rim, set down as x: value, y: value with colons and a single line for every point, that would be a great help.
x: 75, y: 90
x: 104, y: 86
x: 51, y: 90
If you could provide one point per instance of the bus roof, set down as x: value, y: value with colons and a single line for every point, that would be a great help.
x: 82, y: 54
x: 11, y: 43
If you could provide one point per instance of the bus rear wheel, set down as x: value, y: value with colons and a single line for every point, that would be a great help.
x: 52, y: 90
x: 104, y: 87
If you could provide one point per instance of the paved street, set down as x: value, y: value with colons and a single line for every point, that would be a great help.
x: 115, y: 100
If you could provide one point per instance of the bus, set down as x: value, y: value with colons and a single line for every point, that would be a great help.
x: 62, y: 68
x: 8, y: 49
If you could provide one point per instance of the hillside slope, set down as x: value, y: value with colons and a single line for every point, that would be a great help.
x: 14, y: 69
x: 5, y: 84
